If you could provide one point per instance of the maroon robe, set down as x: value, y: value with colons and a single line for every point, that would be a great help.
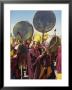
x: 58, y: 65
x: 35, y: 53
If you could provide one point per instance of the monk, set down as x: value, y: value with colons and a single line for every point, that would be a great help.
x: 32, y: 55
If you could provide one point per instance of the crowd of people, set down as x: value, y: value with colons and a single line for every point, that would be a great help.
x: 33, y: 60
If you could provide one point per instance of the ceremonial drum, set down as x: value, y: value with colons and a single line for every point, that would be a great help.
x: 23, y: 30
x: 44, y: 21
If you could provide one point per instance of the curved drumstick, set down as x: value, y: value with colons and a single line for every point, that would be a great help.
x: 18, y: 33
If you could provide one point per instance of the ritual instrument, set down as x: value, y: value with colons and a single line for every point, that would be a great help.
x: 44, y: 21
x: 23, y: 30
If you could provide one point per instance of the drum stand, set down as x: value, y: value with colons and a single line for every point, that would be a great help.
x: 24, y: 72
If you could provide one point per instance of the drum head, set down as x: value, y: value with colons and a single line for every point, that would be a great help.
x: 44, y: 21
x: 23, y: 30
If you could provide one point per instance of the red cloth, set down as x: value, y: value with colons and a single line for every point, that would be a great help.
x: 58, y: 65
x: 30, y: 70
x: 35, y: 53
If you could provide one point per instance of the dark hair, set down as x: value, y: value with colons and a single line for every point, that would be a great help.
x: 22, y: 49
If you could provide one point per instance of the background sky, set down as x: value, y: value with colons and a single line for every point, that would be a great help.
x: 25, y: 15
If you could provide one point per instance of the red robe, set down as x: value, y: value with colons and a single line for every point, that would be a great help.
x: 35, y: 53
x: 58, y: 65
